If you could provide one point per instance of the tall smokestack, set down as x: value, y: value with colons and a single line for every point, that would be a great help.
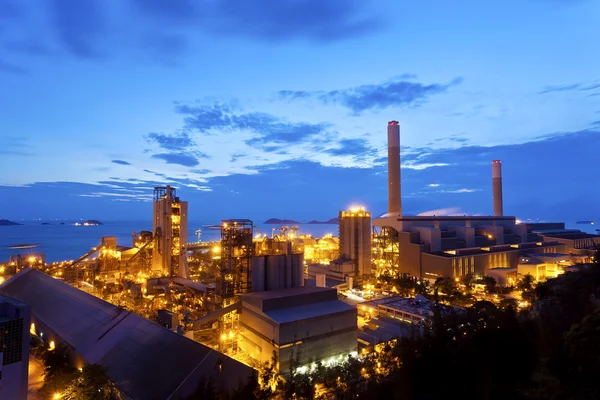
x: 394, y: 197
x: 497, y: 187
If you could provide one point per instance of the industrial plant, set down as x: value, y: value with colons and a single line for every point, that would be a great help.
x: 225, y: 309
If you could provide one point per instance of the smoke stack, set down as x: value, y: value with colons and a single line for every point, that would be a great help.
x: 497, y: 187
x: 394, y: 197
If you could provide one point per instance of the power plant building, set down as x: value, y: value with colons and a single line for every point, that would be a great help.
x: 355, y: 239
x: 170, y: 226
x: 308, y: 322
x: 438, y: 246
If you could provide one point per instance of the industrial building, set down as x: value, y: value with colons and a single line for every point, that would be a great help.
x: 170, y: 226
x: 15, y: 318
x: 143, y: 359
x: 437, y: 246
x: 308, y: 323
x: 355, y: 239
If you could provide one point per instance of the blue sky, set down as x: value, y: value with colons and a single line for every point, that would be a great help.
x: 265, y: 108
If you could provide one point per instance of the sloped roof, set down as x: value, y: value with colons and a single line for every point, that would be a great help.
x: 145, y: 360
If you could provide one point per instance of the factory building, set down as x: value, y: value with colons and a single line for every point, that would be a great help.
x: 143, y: 359
x: 15, y: 319
x: 308, y: 322
x: 170, y: 226
x: 277, y: 271
x: 438, y: 246
x: 355, y: 239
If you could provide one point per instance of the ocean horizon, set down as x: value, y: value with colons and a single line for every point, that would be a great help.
x: 68, y: 242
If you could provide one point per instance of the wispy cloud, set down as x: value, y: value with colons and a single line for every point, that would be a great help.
x: 120, y: 162
x: 186, y: 160
x: 12, y: 68
x: 572, y: 87
x: 401, y: 93
x: 174, y: 142
x: 270, y: 132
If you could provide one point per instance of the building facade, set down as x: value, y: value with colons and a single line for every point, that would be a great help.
x: 307, y: 323
x: 15, y: 319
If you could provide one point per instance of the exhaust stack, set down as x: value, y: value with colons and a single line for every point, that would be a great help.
x: 497, y: 187
x: 394, y: 190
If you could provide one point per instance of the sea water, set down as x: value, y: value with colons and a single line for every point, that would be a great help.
x: 69, y: 242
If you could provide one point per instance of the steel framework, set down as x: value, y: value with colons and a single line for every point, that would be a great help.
x: 386, y: 250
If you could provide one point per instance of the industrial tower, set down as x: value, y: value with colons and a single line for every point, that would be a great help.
x: 170, y: 226
x: 355, y: 239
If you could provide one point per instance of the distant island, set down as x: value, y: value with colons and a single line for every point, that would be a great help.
x: 46, y: 223
x: 89, y: 222
x: 5, y: 222
x: 332, y: 221
x: 277, y: 221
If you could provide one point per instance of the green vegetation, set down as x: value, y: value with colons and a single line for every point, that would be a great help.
x: 549, y: 351
x: 67, y: 382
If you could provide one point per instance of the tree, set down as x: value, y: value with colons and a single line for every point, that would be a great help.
x: 582, y: 345
x: 526, y: 283
x: 91, y: 384
x: 490, y: 284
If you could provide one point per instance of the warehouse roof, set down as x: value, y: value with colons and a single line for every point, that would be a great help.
x: 308, y: 311
x: 145, y: 360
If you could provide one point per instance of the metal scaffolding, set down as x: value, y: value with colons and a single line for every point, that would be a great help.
x: 386, y: 250
x: 236, y: 253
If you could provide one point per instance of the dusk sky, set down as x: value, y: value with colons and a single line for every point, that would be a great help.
x: 266, y: 108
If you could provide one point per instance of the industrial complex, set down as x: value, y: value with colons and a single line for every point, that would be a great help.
x: 162, y: 314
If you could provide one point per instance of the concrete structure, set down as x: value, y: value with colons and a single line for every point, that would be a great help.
x: 277, y: 271
x: 143, y: 359
x: 170, y: 225
x: 310, y: 323
x: 394, y: 189
x: 497, y: 187
x: 15, y: 320
x: 438, y: 246
x: 355, y: 239
x: 417, y: 310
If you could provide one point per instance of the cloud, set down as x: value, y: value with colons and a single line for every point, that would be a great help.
x: 78, y: 24
x: 120, y: 162
x: 399, y: 93
x: 270, y: 131
x: 174, y: 142
x: 358, y: 147
x: 187, y: 160
x: 463, y: 190
x: 571, y: 87
x: 314, y: 20
x: 12, y: 68
x: 449, y: 211
x: 433, y: 185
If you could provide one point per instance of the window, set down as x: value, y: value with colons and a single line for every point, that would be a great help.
x: 11, y: 340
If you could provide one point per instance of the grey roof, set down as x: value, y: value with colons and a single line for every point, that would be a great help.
x: 308, y: 311
x: 145, y: 360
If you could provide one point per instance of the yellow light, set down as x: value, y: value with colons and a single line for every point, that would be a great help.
x: 31, y: 259
x: 51, y: 345
x: 223, y: 336
x: 2, y: 270
x: 57, y: 396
